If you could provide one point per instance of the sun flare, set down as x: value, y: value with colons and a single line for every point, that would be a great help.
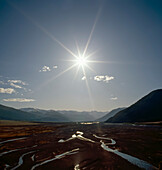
x: 81, y: 61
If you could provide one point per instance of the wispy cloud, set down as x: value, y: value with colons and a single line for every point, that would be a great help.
x: 84, y: 78
x: 18, y: 100
x: 9, y: 85
x: 7, y: 90
x: 17, y: 83
x: 103, y: 78
x: 45, y: 69
x: 1, y: 82
x: 114, y: 98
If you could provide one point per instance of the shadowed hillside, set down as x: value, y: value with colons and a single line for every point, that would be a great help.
x: 109, y: 115
x: 147, y: 109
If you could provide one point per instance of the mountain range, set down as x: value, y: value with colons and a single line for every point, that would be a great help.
x: 40, y: 115
x: 147, y: 109
x: 69, y: 116
x: 82, y: 116
x: 9, y: 113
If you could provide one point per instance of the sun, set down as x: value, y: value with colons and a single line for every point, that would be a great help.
x: 81, y: 61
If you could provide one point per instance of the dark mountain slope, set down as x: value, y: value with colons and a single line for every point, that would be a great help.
x: 147, y: 109
x: 109, y: 115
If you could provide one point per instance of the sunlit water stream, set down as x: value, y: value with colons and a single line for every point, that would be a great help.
x: 10, y: 140
x: 21, y: 157
x: 14, y: 150
x: 21, y: 160
x: 129, y: 158
x: 78, y: 135
x: 74, y: 151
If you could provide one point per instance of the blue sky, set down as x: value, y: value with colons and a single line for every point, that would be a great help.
x: 127, y: 38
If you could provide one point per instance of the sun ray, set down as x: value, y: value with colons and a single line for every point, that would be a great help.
x: 81, y: 58
x: 90, y: 68
x: 98, y: 61
x: 91, y: 33
x: 76, y: 72
x: 91, y: 54
x: 41, y: 28
x: 58, y: 75
x: 63, y: 72
x: 79, y: 54
x: 62, y: 45
x: 88, y: 88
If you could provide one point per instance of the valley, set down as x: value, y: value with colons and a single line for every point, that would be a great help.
x: 79, y: 146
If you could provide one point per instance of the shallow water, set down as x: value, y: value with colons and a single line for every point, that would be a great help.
x: 33, y: 157
x: 6, y: 166
x: 138, y: 162
x: 21, y: 160
x: 89, y: 123
x: 78, y: 135
x: 113, y: 142
x: 4, y: 153
x: 14, y: 150
x: 129, y: 158
x: 74, y: 151
x: 10, y: 140
x: 76, y: 167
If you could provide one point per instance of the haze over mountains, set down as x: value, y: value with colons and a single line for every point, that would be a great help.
x: 8, y: 113
x: 147, y: 109
x: 64, y: 115
x: 31, y: 114
x: 83, y: 116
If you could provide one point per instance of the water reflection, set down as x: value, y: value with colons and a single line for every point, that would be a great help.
x: 89, y: 123
x: 76, y: 167
x: 74, y: 151
x: 21, y: 160
x: 129, y: 158
x: 10, y: 140
x: 77, y: 135
x: 14, y: 150
x: 113, y: 142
